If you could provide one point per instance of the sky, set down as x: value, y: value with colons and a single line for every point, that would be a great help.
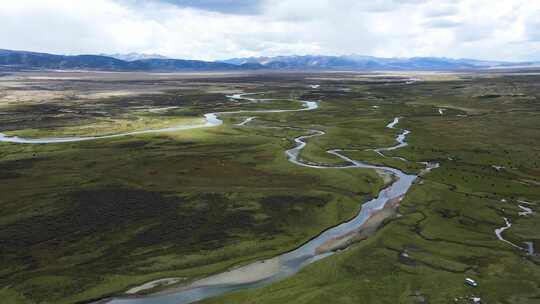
x: 506, y: 30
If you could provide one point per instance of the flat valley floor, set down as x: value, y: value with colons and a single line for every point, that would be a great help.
x: 89, y: 220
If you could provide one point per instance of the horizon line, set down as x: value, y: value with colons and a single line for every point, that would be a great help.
x: 262, y: 56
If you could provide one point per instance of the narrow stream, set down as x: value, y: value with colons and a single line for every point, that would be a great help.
x: 212, y: 120
x: 400, y: 138
x: 525, y: 211
x: 499, y: 232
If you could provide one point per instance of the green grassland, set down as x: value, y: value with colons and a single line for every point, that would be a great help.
x: 446, y: 231
x: 82, y: 221
x: 85, y: 220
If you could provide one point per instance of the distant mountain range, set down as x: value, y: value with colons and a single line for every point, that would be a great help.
x: 22, y: 60
x: 135, y: 56
x: 356, y: 62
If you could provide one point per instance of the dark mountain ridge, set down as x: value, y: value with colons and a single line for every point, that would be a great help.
x: 31, y: 60
x: 23, y: 60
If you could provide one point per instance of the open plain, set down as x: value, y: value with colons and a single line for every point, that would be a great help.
x: 90, y: 220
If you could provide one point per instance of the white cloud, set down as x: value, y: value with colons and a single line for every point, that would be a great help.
x: 488, y: 29
x: 441, y: 23
x: 443, y: 10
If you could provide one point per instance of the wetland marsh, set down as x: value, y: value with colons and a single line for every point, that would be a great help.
x: 88, y: 220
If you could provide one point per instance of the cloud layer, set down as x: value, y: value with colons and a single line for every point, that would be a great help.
x: 218, y: 29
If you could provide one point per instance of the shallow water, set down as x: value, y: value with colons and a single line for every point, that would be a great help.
x: 246, y: 121
x: 499, y: 232
x: 530, y: 248
x: 400, y: 138
x: 525, y: 211
x: 212, y: 120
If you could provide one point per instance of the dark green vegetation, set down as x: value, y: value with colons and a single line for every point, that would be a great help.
x: 86, y: 220
x: 446, y: 232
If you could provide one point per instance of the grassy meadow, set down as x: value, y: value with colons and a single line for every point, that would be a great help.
x: 87, y: 220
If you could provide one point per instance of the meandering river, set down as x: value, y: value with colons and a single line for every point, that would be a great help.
x: 212, y: 120
x: 265, y: 272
